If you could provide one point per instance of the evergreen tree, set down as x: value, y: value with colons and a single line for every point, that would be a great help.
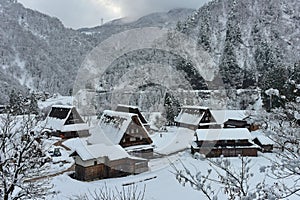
x: 171, y: 108
x: 296, y: 73
x: 204, y: 33
x: 233, y: 30
x: 232, y: 75
x: 276, y: 78
x: 16, y: 103
x: 33, y: 105
x: 231, y: 72
x: 249, y: 80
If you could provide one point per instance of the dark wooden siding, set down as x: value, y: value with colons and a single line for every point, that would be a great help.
x: 135, y: 134
x: 90, y: 173
x: 116, y: 168
x: 70, y: 134
x: 226, y: 152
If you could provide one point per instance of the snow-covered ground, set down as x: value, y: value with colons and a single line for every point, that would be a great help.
x: 57, y: 164
x: 160, y: 182
x: 56, y: 100
x: 173, y: 146
x: 176, y: 139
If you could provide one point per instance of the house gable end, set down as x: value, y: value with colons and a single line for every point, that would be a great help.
x: 135, y: 134
x: 73, y: 118
x: 59, y: 113
x: 207, y: 117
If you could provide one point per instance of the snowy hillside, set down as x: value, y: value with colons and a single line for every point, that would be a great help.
x: 250, y: 41
x: 250, y: 44
x: 38, y: 52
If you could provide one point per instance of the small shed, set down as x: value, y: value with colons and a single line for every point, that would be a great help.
x: 265, y: 143
x: 226, y: 142
x: 102, y: 161
x: 196, y: 117
x: 65, y: 122
x: 124, y: 129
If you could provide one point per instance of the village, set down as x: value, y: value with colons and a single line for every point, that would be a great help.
x: 123, y: 142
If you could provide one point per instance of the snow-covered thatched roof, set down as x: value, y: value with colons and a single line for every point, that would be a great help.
x: 114, y: 124
x: 195, y: 107
x: 191, y: 114
x: 98, y: 136
x: 264, y: 140
x: 89, y: 152
x: 223, y: 134
x: 132, y: 109
x: 222, y: 116
x: 60, y: 114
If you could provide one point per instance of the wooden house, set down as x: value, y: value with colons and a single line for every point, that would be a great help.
x: 227, y: 142
x: 124, y: 129
x: 134, y: 110
x: 265, y: 143
x: 235, y: 123
x: 65, y: 122
x: 196, y: 117
x: 102, y: 161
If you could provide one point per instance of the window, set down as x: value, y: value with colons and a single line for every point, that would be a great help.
x: 132, y: 139
x: 95, y: 162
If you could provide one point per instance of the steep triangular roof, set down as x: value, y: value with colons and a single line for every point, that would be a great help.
x: 132, y: 109
x: 192, y: 115
x: 64, y: 118
x: 114, y: 124
x: 112, y: 127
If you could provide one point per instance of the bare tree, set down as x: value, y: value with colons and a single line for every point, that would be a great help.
x: 282, y: 126
x: 234, y: 181
x: 21, y: 158
x: 127, y: 193
x: 285, y: 168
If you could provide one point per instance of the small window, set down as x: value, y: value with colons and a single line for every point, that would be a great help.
x: 137, y: 130
x: 132, y: 139
x: 95, y: 162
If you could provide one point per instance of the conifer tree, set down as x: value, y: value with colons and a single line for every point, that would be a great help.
x: 171, y: 108
x: 16, y: 103
x: 229, y: 68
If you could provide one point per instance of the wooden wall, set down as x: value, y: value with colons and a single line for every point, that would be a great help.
x: 226, y: 152
x: 112, y: 169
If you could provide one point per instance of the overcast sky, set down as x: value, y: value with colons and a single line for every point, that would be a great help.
x: 88, y: 13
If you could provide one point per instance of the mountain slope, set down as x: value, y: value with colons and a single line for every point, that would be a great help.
x: 37, y: 51
x: 249, y: 40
